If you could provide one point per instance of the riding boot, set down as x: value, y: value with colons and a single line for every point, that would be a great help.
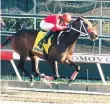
x: 40, y: 43
x: 45, y: 39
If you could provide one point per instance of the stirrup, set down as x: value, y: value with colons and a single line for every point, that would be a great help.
x: 45, y: 41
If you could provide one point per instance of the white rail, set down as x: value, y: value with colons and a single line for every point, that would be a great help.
x: 57, y: 91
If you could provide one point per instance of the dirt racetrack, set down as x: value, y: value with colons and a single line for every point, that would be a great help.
x: 53, y: 98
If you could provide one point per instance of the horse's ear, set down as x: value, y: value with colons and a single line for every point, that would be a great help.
x: 78, y: 17
x: 81, y: 17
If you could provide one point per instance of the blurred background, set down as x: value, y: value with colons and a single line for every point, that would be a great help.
x: 18, y: 14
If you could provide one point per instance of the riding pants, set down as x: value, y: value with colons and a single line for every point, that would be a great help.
x: 46, y: 26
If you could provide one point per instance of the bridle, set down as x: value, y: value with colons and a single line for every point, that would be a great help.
x: 80, y: 31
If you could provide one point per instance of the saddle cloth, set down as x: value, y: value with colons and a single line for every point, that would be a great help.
x: 36, y: 48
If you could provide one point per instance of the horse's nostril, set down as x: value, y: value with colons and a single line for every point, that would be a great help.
x: 95, y: 36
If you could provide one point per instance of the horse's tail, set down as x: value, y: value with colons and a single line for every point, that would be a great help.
x: 6, y: 41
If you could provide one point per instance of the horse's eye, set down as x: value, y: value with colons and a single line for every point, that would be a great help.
x: 86, y: 24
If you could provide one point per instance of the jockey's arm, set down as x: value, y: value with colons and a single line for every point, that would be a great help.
x: 58, y: 27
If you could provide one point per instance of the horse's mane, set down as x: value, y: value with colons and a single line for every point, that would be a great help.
x: 84, y: 19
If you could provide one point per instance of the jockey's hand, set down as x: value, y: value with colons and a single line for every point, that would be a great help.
x: 68, y: 27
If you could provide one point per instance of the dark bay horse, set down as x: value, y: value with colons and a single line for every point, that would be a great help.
x: 62, y: 52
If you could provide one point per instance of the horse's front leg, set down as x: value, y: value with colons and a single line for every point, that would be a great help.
x: 38, y: 74
x: 56, y: 73
x: 54, y: 65
x: 77, y: 69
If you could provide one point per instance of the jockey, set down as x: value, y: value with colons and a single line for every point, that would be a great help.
x: 53, y: 23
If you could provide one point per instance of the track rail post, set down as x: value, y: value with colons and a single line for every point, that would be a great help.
x: 101, y: 73
x: 16, y: 70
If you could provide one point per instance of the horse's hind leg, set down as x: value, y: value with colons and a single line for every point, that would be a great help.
x: 21, y: 66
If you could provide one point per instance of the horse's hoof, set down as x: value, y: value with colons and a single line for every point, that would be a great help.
x: 43, y: 80
x: 42, y: 75
x: 32, y: 81
x: 56, y: 77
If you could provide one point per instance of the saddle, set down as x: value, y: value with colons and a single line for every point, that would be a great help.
x: 36, y: 47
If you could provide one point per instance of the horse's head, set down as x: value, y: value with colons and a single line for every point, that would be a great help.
x: 84, y: 26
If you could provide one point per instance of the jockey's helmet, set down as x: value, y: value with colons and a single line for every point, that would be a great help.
x: 67, y: 17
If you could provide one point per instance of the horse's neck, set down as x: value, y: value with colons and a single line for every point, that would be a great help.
x: 72, y: 37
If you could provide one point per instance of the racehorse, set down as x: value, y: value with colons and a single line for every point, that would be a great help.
x: 61, y: 49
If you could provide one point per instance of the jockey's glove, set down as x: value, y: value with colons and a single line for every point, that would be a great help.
x: 68, y: 27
